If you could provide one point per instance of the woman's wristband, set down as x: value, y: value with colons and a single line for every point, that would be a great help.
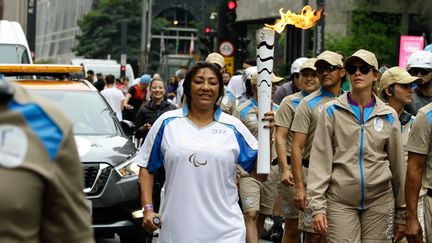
x: 148, y: 207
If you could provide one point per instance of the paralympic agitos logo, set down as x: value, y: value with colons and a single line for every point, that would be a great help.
x: 193, y: 160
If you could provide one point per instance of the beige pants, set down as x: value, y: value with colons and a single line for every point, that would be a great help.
x: 259, y: 196
x: 428, y: 218
x: 371, y: 225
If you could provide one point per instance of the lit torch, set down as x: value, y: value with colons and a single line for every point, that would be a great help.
x: 265, y: 50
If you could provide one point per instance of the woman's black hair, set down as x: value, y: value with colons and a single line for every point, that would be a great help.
x: 192, y: 72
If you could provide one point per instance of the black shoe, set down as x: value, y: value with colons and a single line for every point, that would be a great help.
x: 277, y: 234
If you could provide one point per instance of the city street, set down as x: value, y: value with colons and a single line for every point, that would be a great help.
x: 117, y: 240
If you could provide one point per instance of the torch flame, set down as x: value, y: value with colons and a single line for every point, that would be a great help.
x: 305, y: 20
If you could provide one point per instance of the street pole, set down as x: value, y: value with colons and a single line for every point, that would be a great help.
x: 319, y: 30
x: 145, y: 36
x: 31, y: 24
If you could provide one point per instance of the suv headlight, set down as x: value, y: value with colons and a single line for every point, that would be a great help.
x: 128, y: 168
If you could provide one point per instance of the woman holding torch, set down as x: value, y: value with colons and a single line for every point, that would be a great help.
x: 199, y: 146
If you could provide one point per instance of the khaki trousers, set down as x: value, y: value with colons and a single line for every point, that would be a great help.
x: 371, y: 225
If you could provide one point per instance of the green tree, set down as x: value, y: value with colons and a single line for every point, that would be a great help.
x: 101, y: 30
x: 376, y: 32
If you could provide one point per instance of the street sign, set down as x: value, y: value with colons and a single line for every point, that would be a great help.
x: 229, y: 64
x: 226, y: 48
x: 123, y: 58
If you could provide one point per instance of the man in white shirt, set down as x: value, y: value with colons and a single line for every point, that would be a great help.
x: 113, y: 96
x: 180, y: 75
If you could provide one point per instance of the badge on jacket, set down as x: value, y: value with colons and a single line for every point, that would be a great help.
x: 378, y: 124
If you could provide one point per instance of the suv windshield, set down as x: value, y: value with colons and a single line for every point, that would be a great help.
x: 13, y: 54
x: 89, y: 113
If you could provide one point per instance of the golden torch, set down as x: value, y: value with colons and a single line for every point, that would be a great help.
x: 265, y: 50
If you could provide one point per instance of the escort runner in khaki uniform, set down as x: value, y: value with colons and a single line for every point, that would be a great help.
x: 256, y: 196
x: 357, y: 171
x: 229, y: 101
x: 284, y: 117
x: 419, y: 163
x: 41, y: 178
x: 329, y: 67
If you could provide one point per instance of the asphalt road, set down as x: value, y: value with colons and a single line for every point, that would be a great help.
x: 117, y: 240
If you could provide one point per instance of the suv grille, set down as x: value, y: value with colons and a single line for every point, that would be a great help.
x: 95, y: 177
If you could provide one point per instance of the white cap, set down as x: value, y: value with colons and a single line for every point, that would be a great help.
x: 248, y: 72
x: 420, y: 59
x: 296, y: 65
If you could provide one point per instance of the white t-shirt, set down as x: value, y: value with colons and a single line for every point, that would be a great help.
x: 115, y: 98
x: 237, y: 85
x: 179, y: 92
x: 201, y: 199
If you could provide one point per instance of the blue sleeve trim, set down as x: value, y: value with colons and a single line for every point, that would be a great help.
x: 230, y: 95
x: 389, y: 118
x: 217, y: 114
x: 330, y: 110
x: 156, y: 158
x: 245, y: 110
x: 296, y: 102
x: 429, y: 117
x: 314, y: 101
x: 247, y: 156
x: 42, y: 125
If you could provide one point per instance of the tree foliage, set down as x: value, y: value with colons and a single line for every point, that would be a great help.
x: 376, y: 32
x: 101, y: 30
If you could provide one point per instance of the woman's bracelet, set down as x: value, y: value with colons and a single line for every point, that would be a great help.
x: 148, y: 207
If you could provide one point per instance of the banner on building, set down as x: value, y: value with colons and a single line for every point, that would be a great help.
x: 408, y: 45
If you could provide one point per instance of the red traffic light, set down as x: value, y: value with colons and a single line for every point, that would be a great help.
x: 207, y: 29
x: 123, y: 68
x: 231, y: 5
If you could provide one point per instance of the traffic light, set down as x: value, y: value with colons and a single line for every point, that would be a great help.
x: 122, y: 71
x: 231, y: 15
x: 206, y: 44
x: 242, y: 47
x: 207, y: 30
x: 227, y: 18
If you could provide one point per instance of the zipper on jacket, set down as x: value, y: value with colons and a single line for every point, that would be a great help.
x: 361, y: 165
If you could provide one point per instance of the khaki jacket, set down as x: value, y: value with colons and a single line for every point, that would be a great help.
x: 420, y: 141
x: 354, y: 163
x: 285, y: 115
x: 307, y: 114
x: 41, y: 177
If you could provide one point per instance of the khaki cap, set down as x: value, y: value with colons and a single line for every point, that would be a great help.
x: 309, y: 63
x: 395, y: 75
x: 216, y: 58
x: 366, y: 56
x: 331, y: 57
x: 275, y: 79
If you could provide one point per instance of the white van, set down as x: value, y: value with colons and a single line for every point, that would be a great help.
x: 14, y: 48
x: 103, y: 66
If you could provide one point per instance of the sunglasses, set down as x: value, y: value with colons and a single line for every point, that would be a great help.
x: 364, y: 69
x: 407, y: 86
x: 415, y: 71
x: 327, y: 68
